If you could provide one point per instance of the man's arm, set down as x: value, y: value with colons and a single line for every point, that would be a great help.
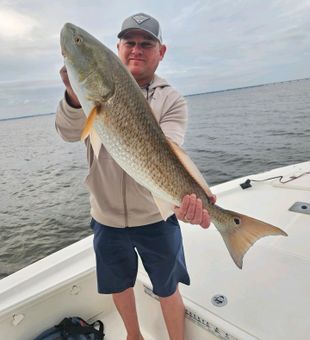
x: 70, y: 118
x: 173, y: 123
x: 173, y: 120
x: 70, y: 96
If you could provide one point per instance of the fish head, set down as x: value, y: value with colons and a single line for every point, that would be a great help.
x: 88, y: 64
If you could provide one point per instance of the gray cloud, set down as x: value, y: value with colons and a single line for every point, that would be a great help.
x: 211, y: 45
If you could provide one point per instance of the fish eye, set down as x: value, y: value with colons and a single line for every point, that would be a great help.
x: 237, y: 220
x: 78, y: 40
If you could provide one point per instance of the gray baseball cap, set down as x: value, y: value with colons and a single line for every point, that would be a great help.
x: 144, y: 22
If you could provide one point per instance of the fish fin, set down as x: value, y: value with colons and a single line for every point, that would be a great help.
x: 89, y: 123
x: 190, y: 167
x: 165, y: 208
x: 244, y: 231
x: 95, y: 142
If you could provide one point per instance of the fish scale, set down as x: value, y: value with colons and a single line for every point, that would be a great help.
x: 147, y: 145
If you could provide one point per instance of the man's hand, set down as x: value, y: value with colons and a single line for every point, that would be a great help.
x: 191, y: 211
x: 70, y: 95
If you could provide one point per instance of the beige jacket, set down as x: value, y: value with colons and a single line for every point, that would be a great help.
x: 116, y: 199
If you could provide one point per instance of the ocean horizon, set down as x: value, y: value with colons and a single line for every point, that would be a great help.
x: 44, y: 204
x: 26, y: 99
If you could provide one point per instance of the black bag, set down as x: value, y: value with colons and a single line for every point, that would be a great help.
x: 74, y: 328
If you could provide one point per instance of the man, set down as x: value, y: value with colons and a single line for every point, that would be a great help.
x: 125, y: 218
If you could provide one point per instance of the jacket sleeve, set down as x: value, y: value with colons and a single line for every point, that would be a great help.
x: 173, y: 119
x: 69, y: 121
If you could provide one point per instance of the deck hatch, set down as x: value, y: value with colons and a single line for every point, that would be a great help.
x: 301, y: 207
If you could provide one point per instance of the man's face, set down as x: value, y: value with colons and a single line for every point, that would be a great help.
x: 141, y: 54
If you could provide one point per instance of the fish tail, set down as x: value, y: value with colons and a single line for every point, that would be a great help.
x: 242, y: 232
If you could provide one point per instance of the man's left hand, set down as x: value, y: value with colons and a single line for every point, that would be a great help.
x: 191, y: 211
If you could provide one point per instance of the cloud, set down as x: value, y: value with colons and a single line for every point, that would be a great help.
x: 15, y: 25
x: 211, y: 44
x: 230, y: 44
x: 186, y: 13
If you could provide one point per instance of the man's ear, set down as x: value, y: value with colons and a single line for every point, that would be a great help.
x: 162, y: 51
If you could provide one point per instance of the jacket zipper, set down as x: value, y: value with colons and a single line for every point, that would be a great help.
x: 124, y: 199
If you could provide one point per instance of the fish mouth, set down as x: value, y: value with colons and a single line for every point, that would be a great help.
x: 66, y: 35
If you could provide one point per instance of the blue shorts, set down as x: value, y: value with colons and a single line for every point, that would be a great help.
x: 159, y: 246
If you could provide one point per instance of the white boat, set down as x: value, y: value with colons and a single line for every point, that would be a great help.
x: 268, y: 299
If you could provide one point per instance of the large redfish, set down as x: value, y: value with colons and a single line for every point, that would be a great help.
x: 121, y: 119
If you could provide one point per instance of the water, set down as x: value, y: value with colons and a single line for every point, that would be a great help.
x: 235, y: 133
x: 44, y: 204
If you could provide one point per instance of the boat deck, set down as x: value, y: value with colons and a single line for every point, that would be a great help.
x: 268, y: 299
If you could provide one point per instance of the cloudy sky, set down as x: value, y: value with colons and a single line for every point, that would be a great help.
x: 212, y: 44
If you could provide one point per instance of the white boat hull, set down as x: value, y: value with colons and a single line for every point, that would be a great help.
x: 268, y: 299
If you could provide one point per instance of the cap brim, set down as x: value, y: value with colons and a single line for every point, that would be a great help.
x: 124, y: 32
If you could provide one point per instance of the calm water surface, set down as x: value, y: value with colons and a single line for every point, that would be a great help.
x: 44, y: 204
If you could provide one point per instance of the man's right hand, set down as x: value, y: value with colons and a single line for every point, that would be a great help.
x: 191, y: 211
x: 71, y: 97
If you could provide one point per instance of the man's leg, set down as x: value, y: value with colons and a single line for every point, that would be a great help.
x: 117, y: 265
x: 126, y: 306
x: 174, y: 313
x: 160, y: 247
